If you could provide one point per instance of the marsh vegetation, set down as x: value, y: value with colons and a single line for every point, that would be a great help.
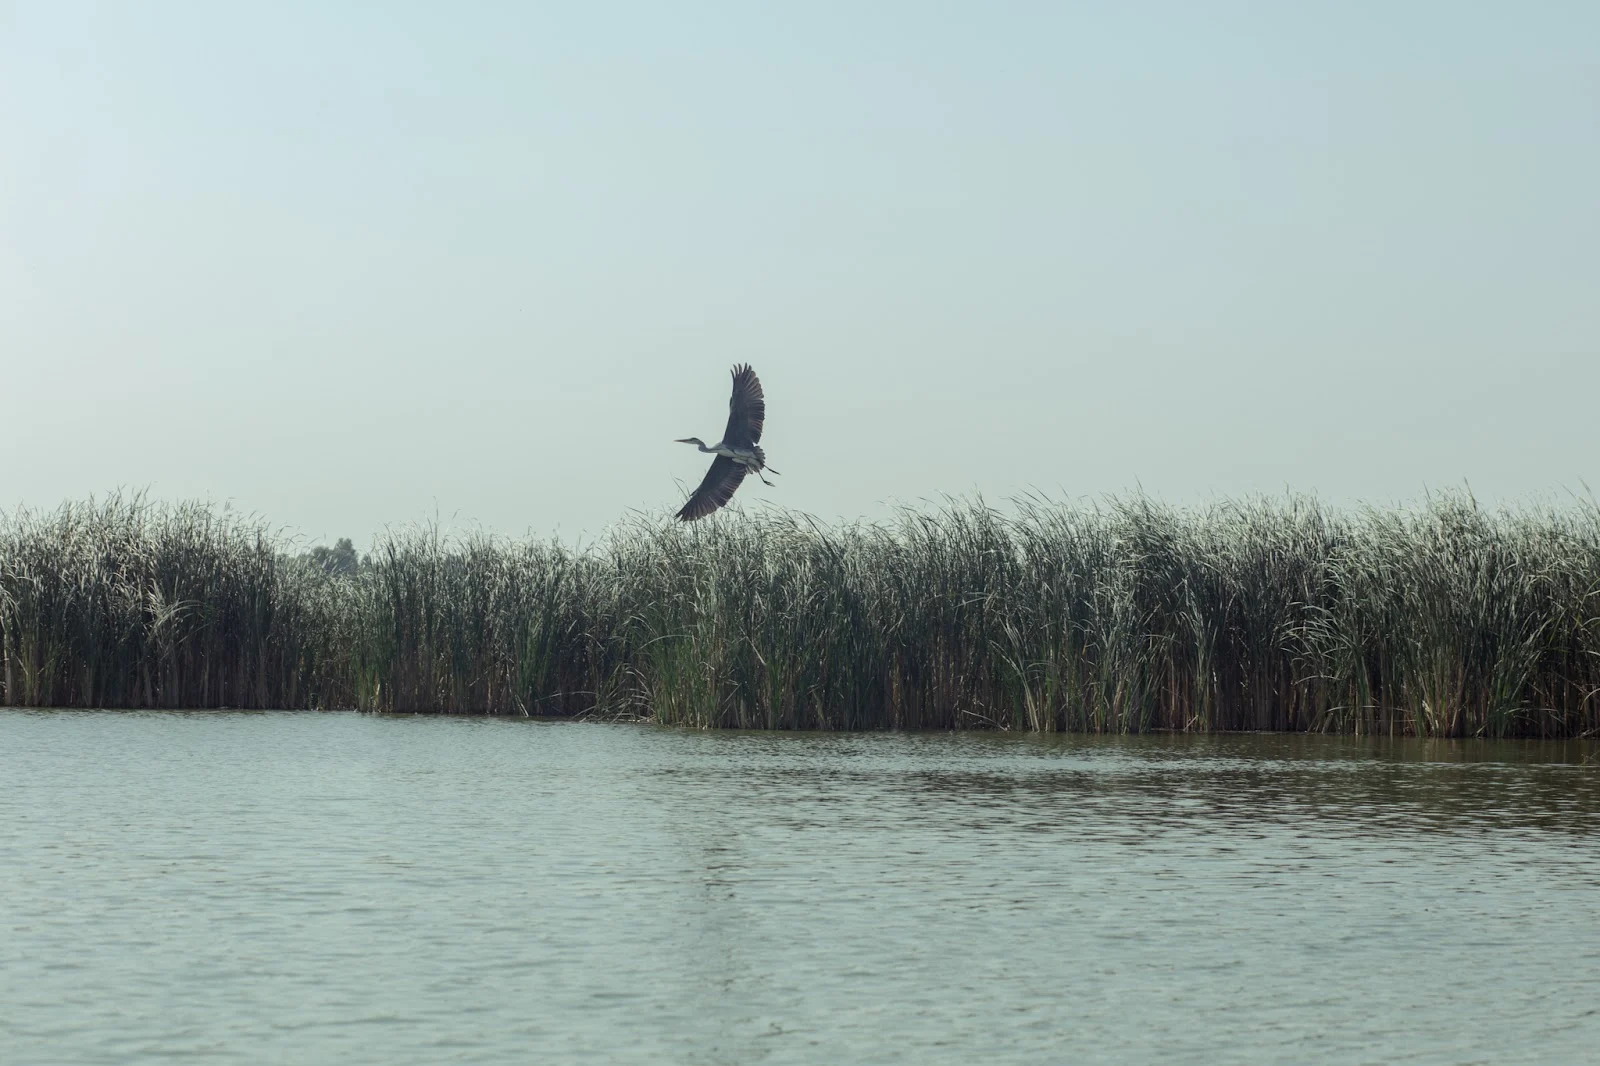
x: 1278, y: 614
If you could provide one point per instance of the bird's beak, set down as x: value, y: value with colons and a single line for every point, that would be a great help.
x: 680, y: 440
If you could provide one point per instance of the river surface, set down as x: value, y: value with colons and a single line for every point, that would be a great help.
x: 295, y: 887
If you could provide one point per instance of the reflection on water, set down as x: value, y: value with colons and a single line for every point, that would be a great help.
x: 291, y: 887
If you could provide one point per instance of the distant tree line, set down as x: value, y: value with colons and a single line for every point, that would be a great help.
x: 341, y: 560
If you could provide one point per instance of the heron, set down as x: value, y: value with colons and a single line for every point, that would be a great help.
x: 737, y: 453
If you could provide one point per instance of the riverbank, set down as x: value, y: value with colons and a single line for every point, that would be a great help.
x: 1277, y: 614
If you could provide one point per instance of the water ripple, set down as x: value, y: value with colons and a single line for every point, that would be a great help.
x: 292, y: 887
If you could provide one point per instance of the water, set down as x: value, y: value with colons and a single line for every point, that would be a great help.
x: 243, y: 887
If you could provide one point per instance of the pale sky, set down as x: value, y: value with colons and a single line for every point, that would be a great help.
x: 349, y: 265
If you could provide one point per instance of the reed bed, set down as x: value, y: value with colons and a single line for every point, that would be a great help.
x: 1275, y: 614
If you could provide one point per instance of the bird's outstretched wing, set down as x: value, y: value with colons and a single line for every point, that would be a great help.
x: 747, y: 409
x: 717, y: 489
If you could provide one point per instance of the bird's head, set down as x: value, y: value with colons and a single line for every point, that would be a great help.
x: 690, y: 440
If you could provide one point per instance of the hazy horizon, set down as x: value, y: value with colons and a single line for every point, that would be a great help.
x: 352, y: 269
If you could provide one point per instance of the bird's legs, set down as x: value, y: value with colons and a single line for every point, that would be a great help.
x: 757, y: 471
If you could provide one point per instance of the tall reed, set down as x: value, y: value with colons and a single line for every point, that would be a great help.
x: 129, y: 604
x: 1256, y: 614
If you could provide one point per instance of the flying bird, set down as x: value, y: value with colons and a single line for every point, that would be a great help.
x: 736, y: 453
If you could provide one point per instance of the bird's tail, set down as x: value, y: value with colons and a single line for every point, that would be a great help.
x: 761, y: 457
